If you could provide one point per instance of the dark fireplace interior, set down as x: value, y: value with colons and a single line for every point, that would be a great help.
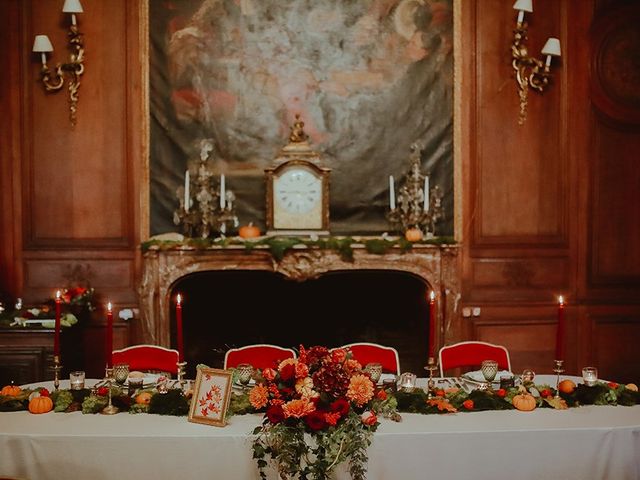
x: 224, y: 309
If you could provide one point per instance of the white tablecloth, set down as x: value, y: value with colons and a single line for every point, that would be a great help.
x: 581, y: 443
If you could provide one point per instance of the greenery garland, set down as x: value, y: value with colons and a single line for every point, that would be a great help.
x: 279, y: 246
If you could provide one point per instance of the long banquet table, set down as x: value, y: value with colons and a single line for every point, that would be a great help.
x: 591, y: 442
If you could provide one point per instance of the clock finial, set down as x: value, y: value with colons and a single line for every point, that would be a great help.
x: 297, y: 131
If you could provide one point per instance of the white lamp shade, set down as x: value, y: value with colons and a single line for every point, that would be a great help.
x: 42, y: 44
x: 523, y: 5
x: 552, y: 47
x: 72, y: 6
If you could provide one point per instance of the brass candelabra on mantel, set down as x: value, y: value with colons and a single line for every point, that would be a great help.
x: 212, y: 207
x: 53, y: 82
x: 416, y: 205
x: 530, y: 71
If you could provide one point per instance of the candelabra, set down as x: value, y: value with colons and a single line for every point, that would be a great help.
x: 432, y: 366
x: 212, y: 208
x: 57, y: 368
x: 415, y: 206
x: 530, y: 71
x: 558, y: 368
x: 53, y: 82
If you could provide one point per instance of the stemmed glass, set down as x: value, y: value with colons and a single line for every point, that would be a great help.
x: 120, y: 373
x: 374, y: 370
x: 245, y: 372
x: 489, y: 369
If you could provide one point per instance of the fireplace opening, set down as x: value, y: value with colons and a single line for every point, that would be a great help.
x: 225, y: 309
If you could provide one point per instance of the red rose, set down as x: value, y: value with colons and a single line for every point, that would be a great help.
x: 612, y: 385
x: 338, y: 355
x: 269, y: 374
x: 275, y: 414
x: 468, y: 404
x: 501, y: 392
x: 382, y: 394
x: 315, y: 420
x: 103, y: 391
x: 369, y: 418
x: 44, y: 392
x: 545, y: 393
x: 301, y: 370
x: 287, y: 372
x: 340, y: 406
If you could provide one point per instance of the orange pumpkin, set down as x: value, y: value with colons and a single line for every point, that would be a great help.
x: 631, y: 386
x: 249, y: 231
x: 524, y: 402
x: 566, y: 386
x: 10, y: 390
x: 143, y: 398
x: 413, y: 234
x: 40, y: 404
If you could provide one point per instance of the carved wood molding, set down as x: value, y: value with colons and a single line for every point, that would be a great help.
x: 162, y: 269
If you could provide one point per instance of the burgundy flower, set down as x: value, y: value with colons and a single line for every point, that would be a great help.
x: 315, y: 421
x: 340, y: 406
x: 287, y: 372
x: 275, y: 414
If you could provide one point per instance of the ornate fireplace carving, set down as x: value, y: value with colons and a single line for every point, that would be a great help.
x: 438, y: 266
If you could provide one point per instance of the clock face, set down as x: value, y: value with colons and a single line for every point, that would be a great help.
x: 298, y: 191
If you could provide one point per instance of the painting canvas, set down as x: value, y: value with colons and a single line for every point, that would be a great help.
x: 368, y: 78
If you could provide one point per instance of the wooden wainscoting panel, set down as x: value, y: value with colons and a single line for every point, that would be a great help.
x: 76, y: 179
x: 614, y: 336
x: 519, y: 174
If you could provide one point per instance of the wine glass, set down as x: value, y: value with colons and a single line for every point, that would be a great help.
x: 374, y: 370
x: 489, y: 369
x: 245, y: 372
x: 120, y: 373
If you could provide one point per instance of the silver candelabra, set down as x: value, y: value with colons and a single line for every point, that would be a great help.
x: 416, y: 205
x: 205, y: 206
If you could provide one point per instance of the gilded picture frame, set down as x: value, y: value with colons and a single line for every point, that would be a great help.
x: 211, y: 395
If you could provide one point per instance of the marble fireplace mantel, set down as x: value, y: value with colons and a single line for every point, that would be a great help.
x: 438, y: 266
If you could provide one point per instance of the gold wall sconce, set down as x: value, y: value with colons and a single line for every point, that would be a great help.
x: 53, y: 81
x: 530, y: 71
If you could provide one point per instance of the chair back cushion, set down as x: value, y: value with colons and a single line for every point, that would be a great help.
x: 374, y: 353
x: 259, y: 356
x: 471, y: 354
x: 147, y: 357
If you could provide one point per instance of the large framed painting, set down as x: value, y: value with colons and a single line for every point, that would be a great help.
x: 369, y: 78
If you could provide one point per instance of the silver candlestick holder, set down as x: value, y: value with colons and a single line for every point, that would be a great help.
x: 110, y: 409
x: 416, y: 205
x: 205, y: 206
x: 432, y: 367
x: 558, y: 368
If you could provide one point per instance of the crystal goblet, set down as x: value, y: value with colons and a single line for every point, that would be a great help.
x: 374, y: 370
x: 489, y: 369
x: 245, y: 372
x: 120, y: 373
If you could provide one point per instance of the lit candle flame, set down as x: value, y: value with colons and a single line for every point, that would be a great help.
x: 109, y: 307
x: 179, y: 299
x: 58, y: 295
x: 432, y: 295
x: 561, y: 300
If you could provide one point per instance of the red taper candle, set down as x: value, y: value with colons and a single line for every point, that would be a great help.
x: 432, y: 323
x: 108, y: 347
x: 56, y: 337
x: 560, y: 330
x: 179, y: 328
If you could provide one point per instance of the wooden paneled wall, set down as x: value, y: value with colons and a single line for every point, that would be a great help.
x: 548, y: 208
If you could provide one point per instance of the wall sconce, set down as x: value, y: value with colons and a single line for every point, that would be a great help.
x: 53, y: 82
x: 530, y: 71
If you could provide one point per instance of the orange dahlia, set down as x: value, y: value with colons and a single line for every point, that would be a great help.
x: 259, y: 396
x: 298, y: 408
x: 360, y: 389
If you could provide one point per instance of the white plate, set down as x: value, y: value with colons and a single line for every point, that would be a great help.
x: 387, y: 376
x: 251, y: 383
x: 476, y: 376
x: 148, y: 379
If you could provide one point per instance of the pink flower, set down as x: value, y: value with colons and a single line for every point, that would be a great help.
x: 269, y: 374
x: 302, y: 370
x: 369, y: 418
x: 339, y: 355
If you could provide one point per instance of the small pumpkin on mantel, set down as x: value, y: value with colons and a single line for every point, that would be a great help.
x: 249, y: 231
x: 10, y: 390
x: 413, y: 234
x: 524, y: 401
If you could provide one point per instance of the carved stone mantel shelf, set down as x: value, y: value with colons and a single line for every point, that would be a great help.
x: 437, y: 265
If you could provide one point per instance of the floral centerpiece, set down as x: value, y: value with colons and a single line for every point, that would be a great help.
x: 322, y: 395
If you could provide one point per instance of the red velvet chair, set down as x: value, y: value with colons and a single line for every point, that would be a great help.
x: 147, y: 358
x: 365, y: 353
x: 258, y: 355
x: 471, y: 354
